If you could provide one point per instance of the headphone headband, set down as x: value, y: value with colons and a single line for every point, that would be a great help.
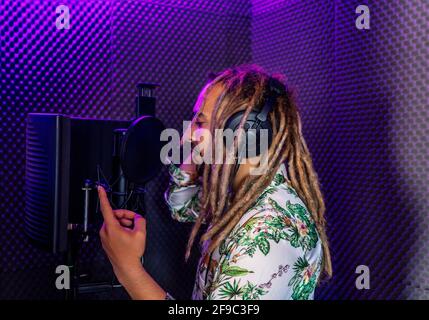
x: 273, y: 90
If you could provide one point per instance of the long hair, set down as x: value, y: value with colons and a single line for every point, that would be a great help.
x: 243, y: 89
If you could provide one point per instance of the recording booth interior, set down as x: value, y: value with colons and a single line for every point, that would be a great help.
x: 68, y: 102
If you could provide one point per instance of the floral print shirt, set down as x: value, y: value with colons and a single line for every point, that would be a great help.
x: 274, y: 251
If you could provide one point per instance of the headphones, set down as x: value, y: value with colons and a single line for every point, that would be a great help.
x: 256, y: 121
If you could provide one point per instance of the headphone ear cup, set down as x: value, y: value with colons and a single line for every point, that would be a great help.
x: 232, y: 123
x: 254, y: 140
x: 253, y: 137
x: 252, y: 143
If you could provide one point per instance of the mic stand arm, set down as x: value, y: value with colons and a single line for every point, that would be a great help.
x: 78, y: 234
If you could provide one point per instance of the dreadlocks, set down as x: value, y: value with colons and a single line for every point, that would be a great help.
x: 243, y: 89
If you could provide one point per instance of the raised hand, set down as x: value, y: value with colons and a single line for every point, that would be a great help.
x: 123, y: 236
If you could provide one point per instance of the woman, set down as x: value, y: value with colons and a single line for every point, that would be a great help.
x: 265, y: 235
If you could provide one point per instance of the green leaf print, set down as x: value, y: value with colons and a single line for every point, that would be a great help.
x: 250, y: 223
x: 230, y: 291
x: 278, y: 179
x: 263, y: 245
x: 235, y: 271
x: 251, y: 250
x: 176, y: 172
x: 302, y: 231
x: 263, y: 196
x: 277, y: 236
x: 304, y: 279
x: 277, y: 223
x: 222, y: 247
x: 291, y: 190
x: 249, y: 291
x: 252, y: 292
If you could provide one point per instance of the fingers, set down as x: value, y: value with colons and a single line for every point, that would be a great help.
x: 124, y: 214
x: 139, y: 224
x: 125, y: 217
x: 126, y: 222
x: 105, y: 207
x: 122, y: 217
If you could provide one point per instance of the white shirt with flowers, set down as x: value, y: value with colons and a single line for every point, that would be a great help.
x: 274, y: 251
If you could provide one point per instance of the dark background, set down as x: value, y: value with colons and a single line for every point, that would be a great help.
x: 364, y: 106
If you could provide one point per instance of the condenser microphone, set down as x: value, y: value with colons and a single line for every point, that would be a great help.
x: 120, y: 185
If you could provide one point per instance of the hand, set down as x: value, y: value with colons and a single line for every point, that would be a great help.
x: 123, y: 244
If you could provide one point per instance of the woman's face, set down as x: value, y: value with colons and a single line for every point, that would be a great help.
x: 200, y: 126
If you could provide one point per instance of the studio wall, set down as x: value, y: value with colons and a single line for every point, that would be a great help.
x: 364, y: 104
x: 90, y: 70
x: 363, y: 99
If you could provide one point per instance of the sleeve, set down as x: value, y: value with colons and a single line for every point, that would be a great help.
x: 168, y: 296
x: 182, y: 195
x: 259, y: 262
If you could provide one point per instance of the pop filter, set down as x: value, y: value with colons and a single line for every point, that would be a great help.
x: 140, y: 151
